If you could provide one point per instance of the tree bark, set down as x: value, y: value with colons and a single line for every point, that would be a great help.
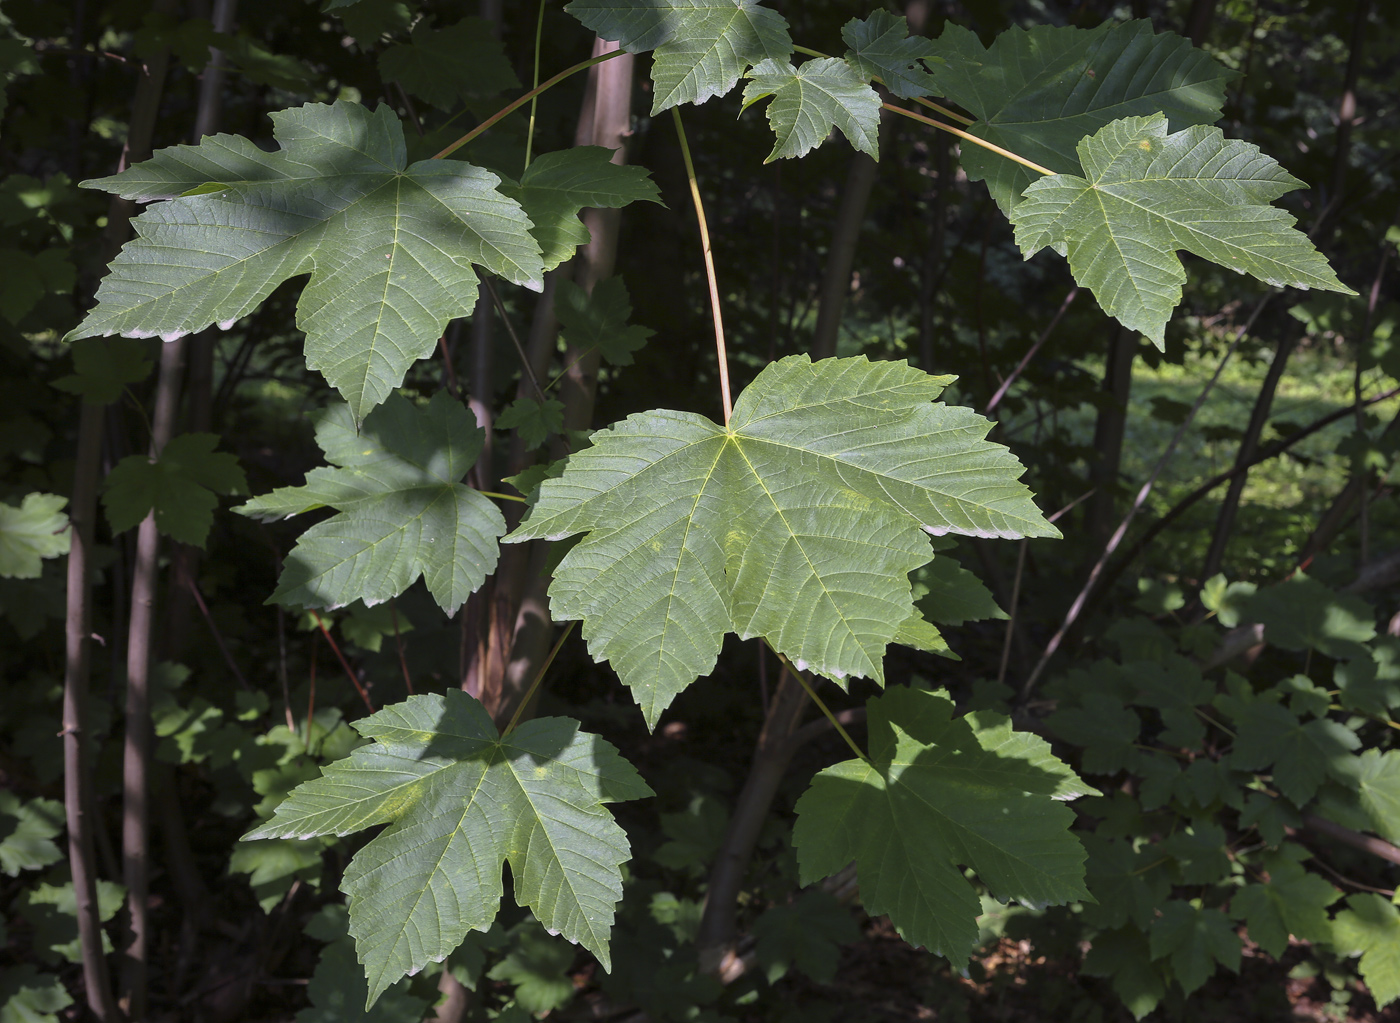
x: 1117, y: 387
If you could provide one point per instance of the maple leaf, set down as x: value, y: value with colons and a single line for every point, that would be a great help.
x: 1038, y: 91
x: 36, y: 530
x: 180, y: 486
x: 880, y: 46
x: 808, y: 101
x: 103, y: 368
x: 799, y: 522
x: 937, y: 794
x: 1302, y: 755
x: 1292, y: 901
x: 449, y: 64
x: 599, y: 319
x: 703, y: 47
x: 1147, y: 194
x: 461, y: 800
x: 1370, y: 927
x: 556, y: 186
x: 404, y: 511
x: 389, y: 247
x: 1194, y: 939
x: 535, y: 420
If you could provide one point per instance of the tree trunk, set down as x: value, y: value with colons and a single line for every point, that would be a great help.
x: 1117, y: 387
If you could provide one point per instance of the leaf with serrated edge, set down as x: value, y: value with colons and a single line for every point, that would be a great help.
x: 404, y: 511
x: 461, y: 801
x: 808, y: 101
x: 35, y: 530
x: 179, y: 486
x: 447, y: 65
x: 935, y: 796
x: 881, y: 46
x: 600, y: 319
x: 798, y: 523
x: 1371, y: 926
x: 389, y: 247
x: 1149, y: 194
x: 556, y: 186
x: 1038, y: 91
x: 1292, y: 901
x: 703, y: 47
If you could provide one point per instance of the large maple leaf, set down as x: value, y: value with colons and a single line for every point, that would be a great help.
x: 389, y: 247
x: 799, y: 522
x: 461, y: 801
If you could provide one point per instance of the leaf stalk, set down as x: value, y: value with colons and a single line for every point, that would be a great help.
x: 539, y: 677
x: 821, y: 705
x: 1014, y: 158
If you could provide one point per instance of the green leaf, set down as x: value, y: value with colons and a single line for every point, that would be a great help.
x: 1302, y: 755
x: 1292, y: 901
x: 389, y: 247
x: 104, y: 368
x: 703, y: 47
x: 1303, y: 614
x: 807, y: 934
x: 932, y: 799
x: 534, y: 420
x: 52, y: 911
x: 537, y: 965
x: 881, y: 47
x: 798, y: 523
x: 812, y: 99
x: 403, y: 510
x: 28, y: 996
x: 179, y: 486
x: 952, y: 595
x: 1146, y: 194
x: 461, y: 800
x: 918, y: 634
x: 273, y: 866
x: 30, y: 277
x: 1376, y: 778
x: 338, y: 993
x: 1370, y: 926
x: 1199, y: 851
x: 1128, y: 884
x: 1196, y: 940
x: 35, y: 530
x: 1105, y: 729
x: 1037, y: 92
x: 1123, y: 955
x: 599, y: 320
x: 447, y: 65
x: 557, y: 185
x: 26, y: 833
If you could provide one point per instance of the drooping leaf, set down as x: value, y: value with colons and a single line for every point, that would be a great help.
x: 1038, y: 91
x: 702, y: 47
x: 931, y: 799
x: 535, y: 420
x: 180, y: 486
x: 389, y: 247
x: 404, y: 511
x: 104, y: 368
x: 600, y: 319
x: 1302, y: 755
x: 1146, y: 194
x: 27, y: 831
x: 798, y: 523
x: 812, y: 99
x: 447, y: 65
x: 1292, y: 901
x: 882, y: 47
x: 1194, y: 940
x: 461, y: 800
x: 557, y: 185
x: 1370, y: 926
x: 35, y: 530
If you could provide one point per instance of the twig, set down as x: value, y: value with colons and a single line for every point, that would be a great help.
x: 193, y: 587
x: 1025, y: 359
x: 398, y: 642
x: 710, y: 277
x: 343, y: 663
x: 515, y: 339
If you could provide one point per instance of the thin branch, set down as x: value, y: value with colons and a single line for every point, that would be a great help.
x: 720, y: 352
x: 515, y: 339
x: 354, y: 680
x: 1014, y: 158
x: 1025, y: 359
x: 193, y: 587
x: 510, y: 108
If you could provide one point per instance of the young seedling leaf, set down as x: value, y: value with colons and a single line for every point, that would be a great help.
x: 557, y: 185
x: 703, y: 47
x: 389, y: 247
x: 600, y: 320
x: 936, y: 796
x: 36, y: 530
x: 798, y: 523
x: 882, y: 47
x: 812, y: 99
x: 404, y: 511
x: 460, y: 801
x: 445, y: 66
x: 180, y: 487
x: 1147, y: 194
x: 1037, y: 92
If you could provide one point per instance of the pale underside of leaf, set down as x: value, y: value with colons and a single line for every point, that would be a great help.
x: 810, y: 100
